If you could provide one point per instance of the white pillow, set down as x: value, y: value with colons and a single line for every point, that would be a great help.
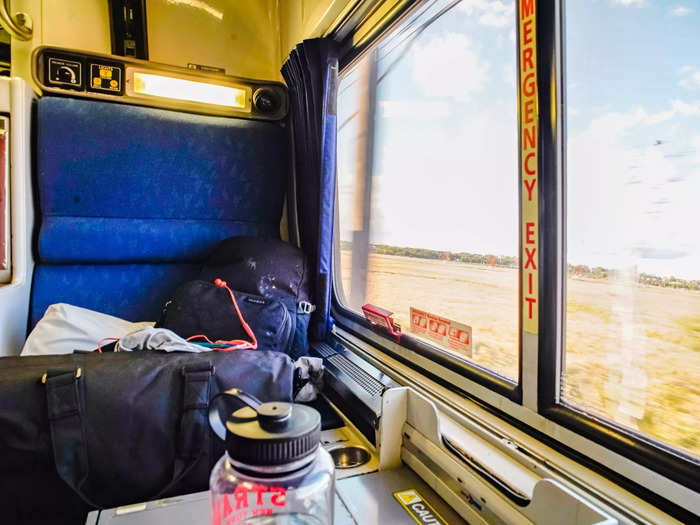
x: 65, y: 328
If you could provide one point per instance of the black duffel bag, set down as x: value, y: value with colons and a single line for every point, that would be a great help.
x: 91, y: 430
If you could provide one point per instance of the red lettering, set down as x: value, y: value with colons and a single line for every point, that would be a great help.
x: 237, y: 517
x: 241, y: 497
x: 527, y: 32
x: 530, y: 187
x: 529, y: 279
x: 527, y: 8
x: 530, y: 301
x: 530, y: 258
x: 227, y: 506
x: 529, y: 111
x: 279, y: 496
x: 527, y: 59
x: 529, y: 84
x: 528, y: 169
x: 259, y: 489
x: 529, y: 232
x: 529, y: 140
x: 216, y: 512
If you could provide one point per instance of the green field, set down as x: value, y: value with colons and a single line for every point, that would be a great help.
x: 632, y: 350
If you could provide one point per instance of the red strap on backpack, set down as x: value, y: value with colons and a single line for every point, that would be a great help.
x: 233, y: 344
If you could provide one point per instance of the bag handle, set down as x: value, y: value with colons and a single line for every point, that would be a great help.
x: 217, y: 424
x: 65, y: 402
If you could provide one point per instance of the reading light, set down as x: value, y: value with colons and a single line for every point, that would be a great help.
x: 189, y: 90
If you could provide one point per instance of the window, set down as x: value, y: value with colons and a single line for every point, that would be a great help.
x: 632, y: 348
x: 428, y: 181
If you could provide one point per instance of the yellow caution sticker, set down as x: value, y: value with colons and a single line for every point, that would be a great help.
x: 529, y: 112
x: 418, y: 508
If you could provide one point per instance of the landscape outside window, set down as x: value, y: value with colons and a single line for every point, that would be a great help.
x: 633, y: 242
x: 431, y: 206
x: 433, y: 202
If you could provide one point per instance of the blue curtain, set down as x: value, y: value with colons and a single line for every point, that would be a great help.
x: 311, y: 73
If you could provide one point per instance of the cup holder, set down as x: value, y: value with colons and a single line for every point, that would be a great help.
x: 349, y: 457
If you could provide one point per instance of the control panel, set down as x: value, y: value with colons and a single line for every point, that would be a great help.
x: 82, y: 73
x: 64, y: 72
x: 135, y: 81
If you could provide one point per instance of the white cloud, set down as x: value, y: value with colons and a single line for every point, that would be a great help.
x: 686, y: 109
x: 630, y: 3
x: 491, y: 13
x: 680, y: 10
x: 419, y: 108
x: 648, y: 182
x: 449, y: 66
x: 689, y: 77
x: 509, y: 75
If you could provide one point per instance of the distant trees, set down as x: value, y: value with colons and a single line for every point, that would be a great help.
x: 465, y: 257
x: 509, y: 261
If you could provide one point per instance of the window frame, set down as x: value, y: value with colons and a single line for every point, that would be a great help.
x: 547, y: 351
x: 645, y: 450
x: 481, y: 375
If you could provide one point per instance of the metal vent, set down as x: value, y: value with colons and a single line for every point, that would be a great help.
x: 368, y: 383
x: 324, y: 350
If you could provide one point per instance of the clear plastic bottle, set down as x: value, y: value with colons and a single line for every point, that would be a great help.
x: 274, y: 470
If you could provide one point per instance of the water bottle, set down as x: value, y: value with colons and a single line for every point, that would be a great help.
x: 274, y: 470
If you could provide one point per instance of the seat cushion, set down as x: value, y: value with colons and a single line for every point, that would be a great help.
x: 131, y: 199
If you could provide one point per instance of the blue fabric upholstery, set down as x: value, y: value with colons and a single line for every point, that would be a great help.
x: 74, y: 239
x: 137, y: 195
x: 135, y: 292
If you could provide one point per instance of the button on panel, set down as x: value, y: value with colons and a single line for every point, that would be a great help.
x: 106, y: 78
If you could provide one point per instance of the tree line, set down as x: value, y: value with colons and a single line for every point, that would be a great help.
x: 509, y: 261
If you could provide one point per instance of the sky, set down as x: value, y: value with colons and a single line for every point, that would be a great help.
x: 445, y: 173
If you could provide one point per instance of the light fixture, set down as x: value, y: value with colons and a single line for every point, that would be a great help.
x: 189, y: 90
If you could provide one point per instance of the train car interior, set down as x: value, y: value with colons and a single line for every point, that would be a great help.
x: 349, y: 261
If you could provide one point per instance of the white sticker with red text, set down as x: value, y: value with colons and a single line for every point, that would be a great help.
x: 447, y: 333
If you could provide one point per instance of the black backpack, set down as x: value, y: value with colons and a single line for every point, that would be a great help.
x: 271, y: 282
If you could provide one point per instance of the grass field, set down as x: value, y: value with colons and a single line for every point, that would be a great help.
x: 632, y: 351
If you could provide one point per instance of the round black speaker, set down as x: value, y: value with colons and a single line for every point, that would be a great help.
x: 266, y: 101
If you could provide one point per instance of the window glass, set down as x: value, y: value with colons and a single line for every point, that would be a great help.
x: 633, y: 242
x: 428, y: 180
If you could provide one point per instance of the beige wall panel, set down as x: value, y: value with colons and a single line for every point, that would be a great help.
x: 241, y: 36
x: 302, y: 19
x: 76, y: 24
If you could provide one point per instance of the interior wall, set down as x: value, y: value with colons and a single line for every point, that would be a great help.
x: 301, y: 19
x: 240, y: 36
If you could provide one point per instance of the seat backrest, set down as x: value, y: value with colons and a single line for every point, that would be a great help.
x: 132, y: 199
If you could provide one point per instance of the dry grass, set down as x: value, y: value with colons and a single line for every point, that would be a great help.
x: 633, y: 352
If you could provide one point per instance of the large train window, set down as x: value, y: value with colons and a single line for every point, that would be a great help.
x: 428, y: 181
x: 632, y: 347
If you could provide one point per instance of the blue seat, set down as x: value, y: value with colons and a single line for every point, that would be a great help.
x: 132, y: 199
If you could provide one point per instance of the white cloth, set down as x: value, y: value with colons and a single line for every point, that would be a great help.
x: 149, y: 338
x: 65, y: 328
x: 309, y: 369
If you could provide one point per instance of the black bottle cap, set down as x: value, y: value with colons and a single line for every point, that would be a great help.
x: 270, y: 434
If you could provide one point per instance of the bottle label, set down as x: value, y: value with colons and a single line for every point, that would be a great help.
x: 245, y: 502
